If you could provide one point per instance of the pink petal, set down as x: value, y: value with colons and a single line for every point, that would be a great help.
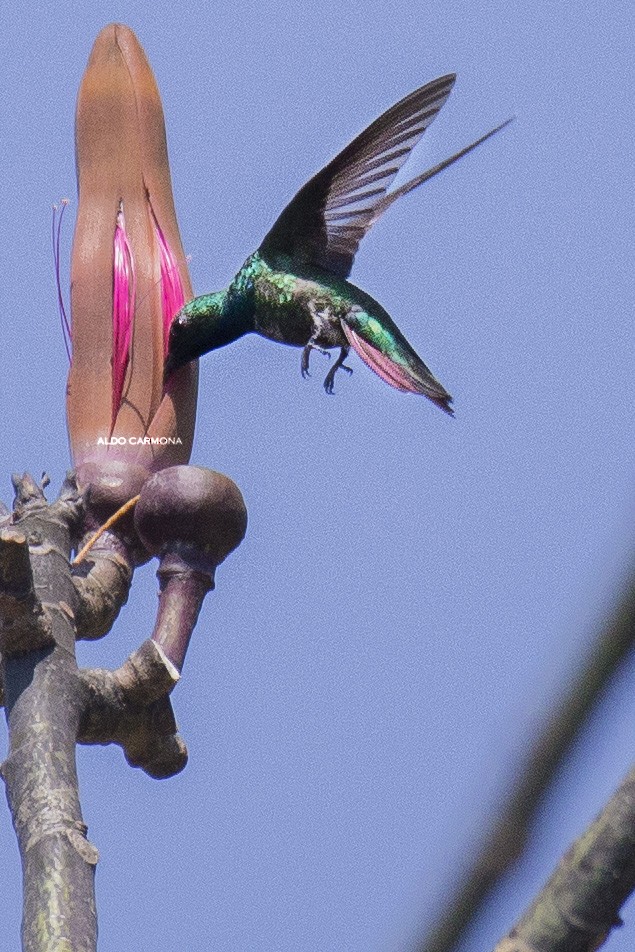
x: 123, y: 301
x: 172, y: 293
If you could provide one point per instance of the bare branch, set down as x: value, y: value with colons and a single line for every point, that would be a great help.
x: 182, y: 591
x: 102, y: 583
x: 130, y: 707
x: 23, y: 624
x: 505, y: 841
x: 27, y: 492
x: 42, y: 688
x: 580, y: 904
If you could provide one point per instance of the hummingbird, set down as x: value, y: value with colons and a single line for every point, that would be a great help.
x: 294, y: 288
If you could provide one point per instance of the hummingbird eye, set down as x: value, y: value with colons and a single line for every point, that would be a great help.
x: 177, y: 326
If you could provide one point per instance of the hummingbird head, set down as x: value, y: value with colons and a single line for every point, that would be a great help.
x: 180, y: 344
x: 203, y: 324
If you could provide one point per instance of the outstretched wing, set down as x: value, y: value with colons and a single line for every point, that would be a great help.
x: 325, y: 222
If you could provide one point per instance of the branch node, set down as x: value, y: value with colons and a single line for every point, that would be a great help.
x: 102, y: 583
x: 147, y: 674
x: 24, y: 625
x: 27, y: 491
x: 77, y: 838
x: 130, y: 707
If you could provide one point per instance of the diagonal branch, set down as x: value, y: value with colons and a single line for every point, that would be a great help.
x: 505, y: 841
x: 580, y: 904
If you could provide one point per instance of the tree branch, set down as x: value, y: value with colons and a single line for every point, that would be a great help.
x: 23, y: 624
x: 505, y: 841
x: 182, y: 591
x: 43, y: 702
x: 579, y: 906
x: 130, y: 707
x: 102, y: 582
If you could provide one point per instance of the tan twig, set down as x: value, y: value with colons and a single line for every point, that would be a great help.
x: 108, y: 524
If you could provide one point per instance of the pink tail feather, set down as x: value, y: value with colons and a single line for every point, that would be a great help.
x: 394, y: 374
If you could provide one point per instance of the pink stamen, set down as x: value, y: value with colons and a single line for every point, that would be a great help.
x: 172, y: 294
x: 56, y: 230
x: 123, y: 301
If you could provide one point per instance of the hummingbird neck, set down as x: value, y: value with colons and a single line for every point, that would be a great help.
x: 216, y: 319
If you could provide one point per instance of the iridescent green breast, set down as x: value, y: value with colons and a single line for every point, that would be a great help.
x: 291, y: 308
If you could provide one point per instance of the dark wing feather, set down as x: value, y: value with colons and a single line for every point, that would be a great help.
x: 325, y: 222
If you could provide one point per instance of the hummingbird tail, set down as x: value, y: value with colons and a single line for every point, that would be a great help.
x: 413, y: 377
x: 391, y: 197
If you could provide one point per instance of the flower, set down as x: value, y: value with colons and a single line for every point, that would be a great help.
x: 129, y: 274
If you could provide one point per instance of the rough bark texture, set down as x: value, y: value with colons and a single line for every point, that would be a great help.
x: 580, y: 904
x: 51, y: 704
x: 102, y: 583
x: 43, y: 702
x: 22, y: 618
x: 130, y: 707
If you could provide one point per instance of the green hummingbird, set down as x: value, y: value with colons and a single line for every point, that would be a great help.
x: 294, y: 288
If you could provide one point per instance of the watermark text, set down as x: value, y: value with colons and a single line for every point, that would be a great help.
x: 139, y: 441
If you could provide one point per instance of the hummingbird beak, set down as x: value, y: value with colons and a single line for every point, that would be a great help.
x: 171, y: 364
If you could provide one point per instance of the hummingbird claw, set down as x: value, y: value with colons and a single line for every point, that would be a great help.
x: 306, y: 353
x: 330, y: 377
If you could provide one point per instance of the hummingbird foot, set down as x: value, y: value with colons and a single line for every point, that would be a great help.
x: 339, y: 364
x: 306, y: 353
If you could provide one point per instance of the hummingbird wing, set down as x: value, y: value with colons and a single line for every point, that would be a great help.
x: 325, y: 222
x: 384, y: 349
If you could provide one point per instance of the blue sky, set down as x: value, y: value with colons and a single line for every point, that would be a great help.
x: 413, y: 590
